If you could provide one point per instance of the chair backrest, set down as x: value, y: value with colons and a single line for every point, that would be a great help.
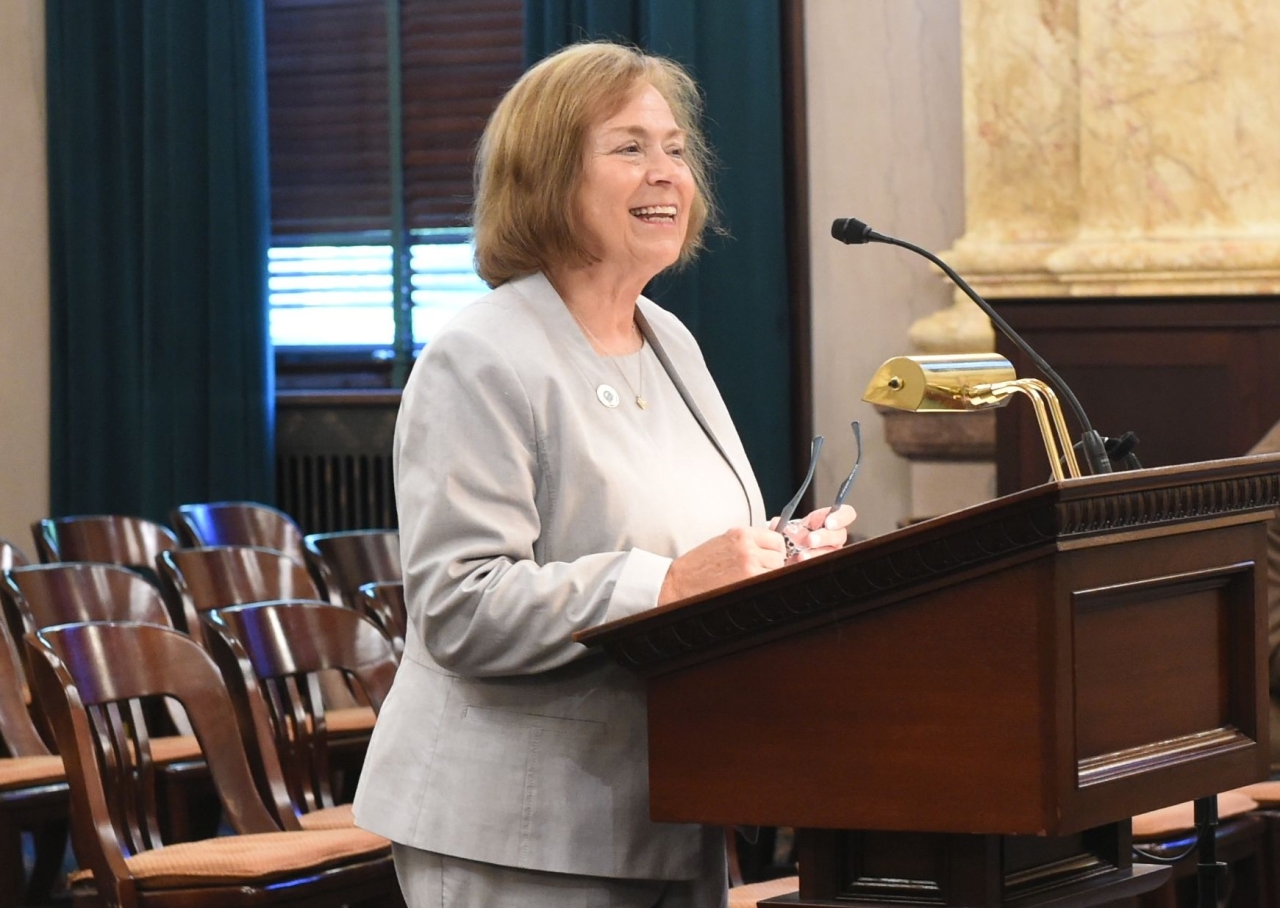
x: 284, y: 646
x: 238, y: 523
x: 347, y: 560
x: 45, y: 595
x: 93, y: 679
x: 212, y: 577
x: 133, y: 542
x: 384, y: 603
x: 18, y: 734
x: 11, y: 556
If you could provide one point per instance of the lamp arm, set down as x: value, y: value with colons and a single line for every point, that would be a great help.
x: 1053, y: 425
x: 1059, y: 423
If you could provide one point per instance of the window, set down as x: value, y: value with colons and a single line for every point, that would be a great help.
x: 336, y: 292
x: 353, y: 166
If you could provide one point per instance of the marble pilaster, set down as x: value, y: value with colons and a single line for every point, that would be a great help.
x: 1121, y: 147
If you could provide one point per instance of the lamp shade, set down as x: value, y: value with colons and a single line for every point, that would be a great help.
x: 946, y: 383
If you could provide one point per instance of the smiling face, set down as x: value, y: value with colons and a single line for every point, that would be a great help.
x: 636, y: 189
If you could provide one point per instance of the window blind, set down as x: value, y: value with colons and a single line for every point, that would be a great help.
x: 459, y: 57
x: 327, y: 97
x: 328, y: 117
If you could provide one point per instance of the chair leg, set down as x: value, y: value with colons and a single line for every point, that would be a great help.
x: 51, y: 849
x: 11, y: 873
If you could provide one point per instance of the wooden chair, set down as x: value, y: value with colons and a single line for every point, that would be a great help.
x: 283, y: 646
x: 347, y: 560
x: 40, y: 596
x: 33, y: 791
x: 238, y: 523
x: 94, y: 678
x: 211, y: 577
x: 1168, y: 836
x: 132, y: 542
x: 52, y: 594
x: 384, y: 604
x: 74, y: 591
x: 202, y: 579
x: 11, y: 556
x: 1267, y: 796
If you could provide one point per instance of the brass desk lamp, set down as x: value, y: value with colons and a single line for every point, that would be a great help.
x: 972, y: 381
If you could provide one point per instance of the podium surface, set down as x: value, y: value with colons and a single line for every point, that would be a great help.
x: 987, y: 696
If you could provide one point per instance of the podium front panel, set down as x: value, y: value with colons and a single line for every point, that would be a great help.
x: 1073, y: 689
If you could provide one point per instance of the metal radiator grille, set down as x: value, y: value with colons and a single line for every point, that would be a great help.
x: 336, y: 492
x: 333, y: 459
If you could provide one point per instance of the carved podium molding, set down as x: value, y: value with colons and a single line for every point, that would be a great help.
x: 836, y: 586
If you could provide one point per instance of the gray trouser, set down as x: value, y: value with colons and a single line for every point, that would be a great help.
x: 431, y: 880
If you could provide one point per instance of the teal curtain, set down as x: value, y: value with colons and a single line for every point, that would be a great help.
x: 735, y: 298
x: 158, y: 215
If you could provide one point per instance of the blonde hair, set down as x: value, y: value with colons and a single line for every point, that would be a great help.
x: 530, y: 161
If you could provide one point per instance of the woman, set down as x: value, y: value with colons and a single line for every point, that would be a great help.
x: 563, y: 459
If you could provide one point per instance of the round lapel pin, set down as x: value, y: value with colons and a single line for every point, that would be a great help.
x: 607, y: 396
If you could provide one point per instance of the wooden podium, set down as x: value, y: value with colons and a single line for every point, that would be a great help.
x: 966, y: 712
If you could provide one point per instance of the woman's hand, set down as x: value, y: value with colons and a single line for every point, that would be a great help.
x: 820, y: 532
x: 736, y: 555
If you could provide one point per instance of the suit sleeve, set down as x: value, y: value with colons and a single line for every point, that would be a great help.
x: 467, y: 482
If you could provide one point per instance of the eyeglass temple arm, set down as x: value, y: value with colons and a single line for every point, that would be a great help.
x: 848, y: 482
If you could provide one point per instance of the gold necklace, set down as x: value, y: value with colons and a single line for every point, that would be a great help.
x: 636, y: 389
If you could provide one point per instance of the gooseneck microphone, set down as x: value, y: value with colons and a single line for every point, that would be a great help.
x: 855, y: 232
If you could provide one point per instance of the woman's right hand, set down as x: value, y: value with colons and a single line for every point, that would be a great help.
x: 738, y: 554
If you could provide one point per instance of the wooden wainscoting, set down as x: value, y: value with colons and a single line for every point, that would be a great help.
x: 1195, y: 378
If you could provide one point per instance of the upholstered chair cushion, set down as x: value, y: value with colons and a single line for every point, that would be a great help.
x: 1168, y: 821
x: 747, y: 896
x: 1267, y: 794
x: 340, y: 817
x: 350, y: 720
x: 255, y: 858
x: 175, y: 748
x: 19, y: 772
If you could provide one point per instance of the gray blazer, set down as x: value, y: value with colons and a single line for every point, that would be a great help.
x: 528, y: 512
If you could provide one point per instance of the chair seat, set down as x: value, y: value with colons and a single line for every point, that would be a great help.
x: 248, y: 859
x: 747, y: 896
x: 1267, y: 794
x: 175, y: 748
x: 16, y: 772
x: 349, y: 721
x: 340, y: 817
x: 1169, y: 821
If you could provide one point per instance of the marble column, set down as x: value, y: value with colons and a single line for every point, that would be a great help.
x: 1121, y: 147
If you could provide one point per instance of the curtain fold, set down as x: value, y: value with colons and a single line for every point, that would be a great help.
x: 735, y: 297
x: 158, y: 206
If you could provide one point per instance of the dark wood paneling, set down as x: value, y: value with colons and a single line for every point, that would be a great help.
x: 1178, y: 687
x: 1196, y: 378
x: 967, y: 685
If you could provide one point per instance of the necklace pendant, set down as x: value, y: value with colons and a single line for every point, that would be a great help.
x: 641, y: 402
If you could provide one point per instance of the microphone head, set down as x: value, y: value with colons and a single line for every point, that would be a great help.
x: 851, y: 231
